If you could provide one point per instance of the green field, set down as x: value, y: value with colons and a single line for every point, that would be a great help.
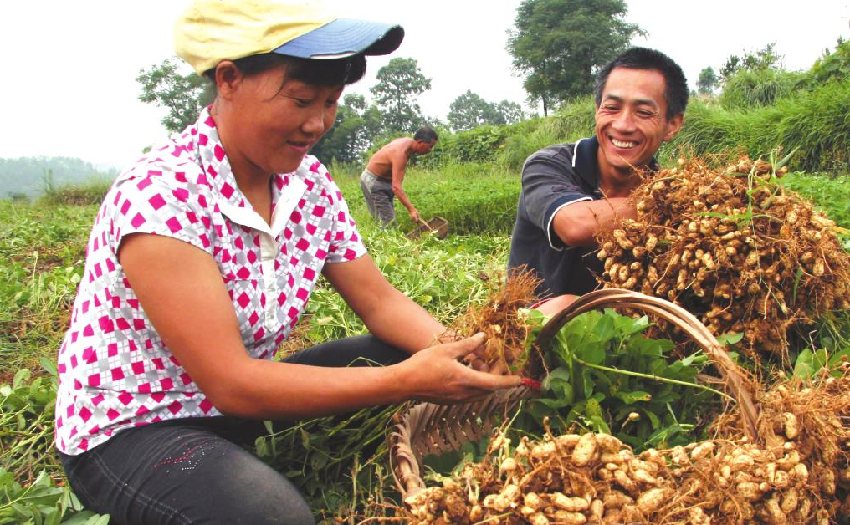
x: 42, y: 243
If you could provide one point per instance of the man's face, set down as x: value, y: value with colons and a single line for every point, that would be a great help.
x: 631, y: 120
x: 423, y: 147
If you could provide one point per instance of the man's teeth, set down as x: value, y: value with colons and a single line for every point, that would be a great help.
x: 622, y: 143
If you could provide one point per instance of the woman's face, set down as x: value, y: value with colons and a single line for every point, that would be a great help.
x: 273, y: 122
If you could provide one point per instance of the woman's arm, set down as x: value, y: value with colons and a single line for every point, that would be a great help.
x: 181, y: 291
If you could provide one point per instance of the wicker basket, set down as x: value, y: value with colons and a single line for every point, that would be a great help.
x: 438, y: 226
x: 428, y: 429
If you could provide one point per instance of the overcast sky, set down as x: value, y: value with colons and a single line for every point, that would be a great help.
x: 71, y: 66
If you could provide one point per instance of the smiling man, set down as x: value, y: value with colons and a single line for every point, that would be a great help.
x: 572, y: 191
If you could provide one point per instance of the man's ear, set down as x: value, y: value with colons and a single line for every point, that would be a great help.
x: 674, y: 125
x: 227, y: 78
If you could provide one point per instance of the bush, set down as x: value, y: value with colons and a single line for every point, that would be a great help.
x: 90, y: 192
x: 575, y: 119
x: 748, y: 89
x: 833, y: 66
x: 814, y: 123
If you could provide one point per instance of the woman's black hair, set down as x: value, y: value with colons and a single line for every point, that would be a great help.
x: 318, y: 72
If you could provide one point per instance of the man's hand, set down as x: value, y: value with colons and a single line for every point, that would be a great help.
x: 414, y: 214
x: 556, y: 304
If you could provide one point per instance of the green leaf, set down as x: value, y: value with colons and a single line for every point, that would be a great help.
x: 804, y: 366
x: 634, y: 396
x: 592, y: 353
x: 729, y: 339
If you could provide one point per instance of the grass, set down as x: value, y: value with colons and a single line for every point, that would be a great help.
x: 42, y: 245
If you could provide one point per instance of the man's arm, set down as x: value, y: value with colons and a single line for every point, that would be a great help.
x: 579, y: 223
x: 398, y: 162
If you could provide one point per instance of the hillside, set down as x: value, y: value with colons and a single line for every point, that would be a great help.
x: 29, y: 176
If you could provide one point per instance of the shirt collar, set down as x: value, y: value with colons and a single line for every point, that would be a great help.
x: 287, y: 189
x: 586, y: 164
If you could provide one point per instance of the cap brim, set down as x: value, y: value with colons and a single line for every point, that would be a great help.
x: 345, y: 37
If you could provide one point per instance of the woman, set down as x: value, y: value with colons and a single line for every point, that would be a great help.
x: 200, y: 262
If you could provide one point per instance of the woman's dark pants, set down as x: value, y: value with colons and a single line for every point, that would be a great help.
x: 197, y: 471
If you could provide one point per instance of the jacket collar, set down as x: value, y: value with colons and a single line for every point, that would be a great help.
x: 586, y: 164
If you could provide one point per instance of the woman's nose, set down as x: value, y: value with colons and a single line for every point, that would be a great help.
x: 315, y: 123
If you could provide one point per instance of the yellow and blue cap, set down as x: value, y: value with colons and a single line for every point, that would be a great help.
x: 210, y: 31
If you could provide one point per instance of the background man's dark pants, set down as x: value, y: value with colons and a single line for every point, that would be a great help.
x: 379, y: 196
x: 197, y: 471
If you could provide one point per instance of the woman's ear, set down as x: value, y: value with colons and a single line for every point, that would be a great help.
x: 227, y: 78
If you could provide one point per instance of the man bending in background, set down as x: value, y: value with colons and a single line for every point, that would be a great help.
x: 382, y: 179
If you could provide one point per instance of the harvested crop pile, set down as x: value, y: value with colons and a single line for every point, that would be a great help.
x: 502, y: 321
x: 734, y: 248
x: 799, y: 475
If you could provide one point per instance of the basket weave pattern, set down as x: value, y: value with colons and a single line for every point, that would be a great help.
x: 432, y: 429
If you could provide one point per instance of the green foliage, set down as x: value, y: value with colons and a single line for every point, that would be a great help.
x: 399, y: 83
x: 815, y: 123
x: 833, y: 66
x: 181, y: 91
x: 764, y: 58
x: 574, y: 119
x: 747, y: 89
x: 560, y: 44
x: 319, y: 455
x: 708, y: 80
x: 477, y: 145
x: 41, y: 503
x: 831, y: 193
x: 26, y: 423
x: 475, y: 198
x: 469, y: 110
x: 42, y: 249
x: 31, y: 176
x: 355, y: 125
x: 604, y: 375
x: 82, y: 194
x: 811, y: 363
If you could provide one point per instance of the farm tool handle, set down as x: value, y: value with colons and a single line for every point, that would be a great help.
x: 678, y: 316
x: 424, y: 222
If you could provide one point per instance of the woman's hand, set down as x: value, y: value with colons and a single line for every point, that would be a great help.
x: 435, y: 374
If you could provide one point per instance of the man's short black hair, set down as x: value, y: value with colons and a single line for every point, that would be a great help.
x: 675, y: 84
x: 425, y: 134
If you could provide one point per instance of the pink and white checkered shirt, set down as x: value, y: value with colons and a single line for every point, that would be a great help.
x: 114, y: 370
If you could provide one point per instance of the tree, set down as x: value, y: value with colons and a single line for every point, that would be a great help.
x: 559, y: 45
x: 355, y: 126
x: 760, y: 60
x: 510, y: 112
x: 183, y: 94
x: 399, y: 82
x: 469, y: 111
x: 707, y: 81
